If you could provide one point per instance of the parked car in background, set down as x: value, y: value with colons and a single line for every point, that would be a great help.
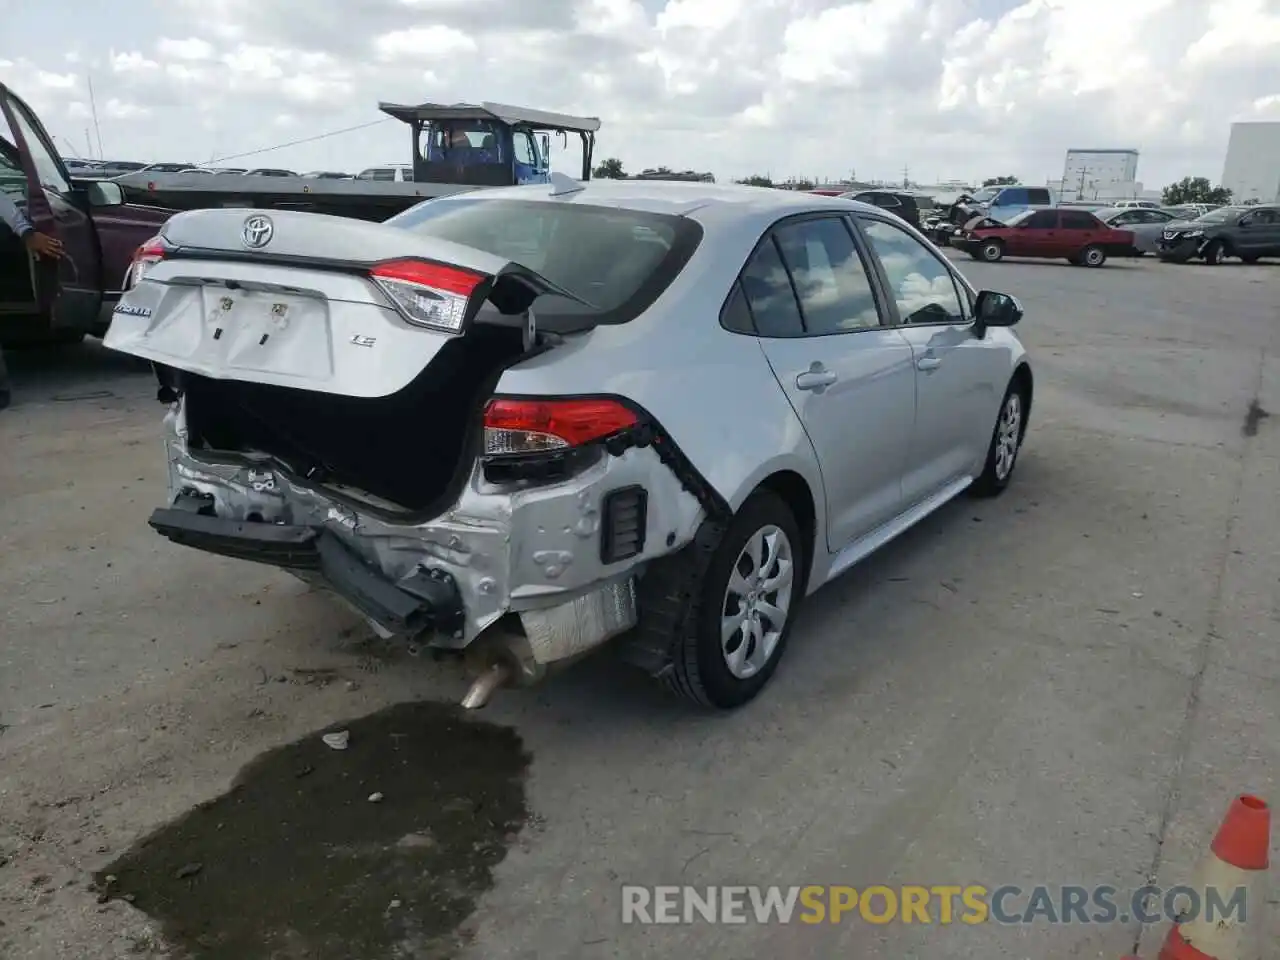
x: 676, y: 446
x: 227, y: 171
x: 118, y: 168
x: 1146, y: 225
x: 205, y: 170
x: 328, y: 175
x: 388, y: 172
x: 60, y: 301
x: 1191, y: 211
x: 898, y: 202
x: 164, y: 168
x: 1135, y: 205
x: 269, y: 172
x: 1001, y: 203
x: 1247, y: 232
x: 1076, y: 236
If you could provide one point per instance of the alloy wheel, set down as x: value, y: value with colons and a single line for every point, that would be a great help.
x: 757, y: 601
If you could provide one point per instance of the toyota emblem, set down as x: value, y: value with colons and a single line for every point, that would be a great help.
x: 257, y: 231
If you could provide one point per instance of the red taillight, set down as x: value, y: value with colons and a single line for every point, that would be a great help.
x: 535, y: 426
x: 430, y: 294
x: 146, y: 256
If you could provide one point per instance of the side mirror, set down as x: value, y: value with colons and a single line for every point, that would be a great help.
x: 997, y: 309
x: 104, y: 193
x: 544, y: 143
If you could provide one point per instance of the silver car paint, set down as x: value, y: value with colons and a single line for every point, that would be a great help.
x: 716, y: 393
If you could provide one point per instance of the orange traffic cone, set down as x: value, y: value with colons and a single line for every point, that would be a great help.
x: 1237, y: 859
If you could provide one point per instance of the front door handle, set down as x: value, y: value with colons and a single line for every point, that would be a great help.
x: 928, y: 364
x: 816, y: 378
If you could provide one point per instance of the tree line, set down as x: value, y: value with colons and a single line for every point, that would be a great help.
x: 1186, y: 190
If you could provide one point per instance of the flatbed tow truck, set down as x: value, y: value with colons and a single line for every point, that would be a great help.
x: 456, y: 148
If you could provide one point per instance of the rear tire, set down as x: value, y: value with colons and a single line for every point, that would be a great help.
x: 992, y: 251
x: 1006, y: 443
x: 1093, y: 256
x: 687, y: 599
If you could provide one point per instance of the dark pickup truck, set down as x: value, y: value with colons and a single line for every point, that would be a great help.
x: 44, y: 301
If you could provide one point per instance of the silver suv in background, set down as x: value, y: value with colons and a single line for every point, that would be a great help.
x: 523, y: 421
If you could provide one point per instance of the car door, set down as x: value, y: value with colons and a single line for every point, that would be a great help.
x: 1259, y: 235
x: 960, y: 381
x: 1031, y: 237
x: 1148, y: 229
x: 1077, y: 229
x: 72, y: 287
x: 817, y: 313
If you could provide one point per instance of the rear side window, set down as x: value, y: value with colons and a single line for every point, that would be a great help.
x: 1038, y: 195
x: 1078, y: 220
x: 830, y: 280
x: 618, y: 261
x: 768, y: 290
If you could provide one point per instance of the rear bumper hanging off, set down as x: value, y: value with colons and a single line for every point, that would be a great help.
x: 428, y: 599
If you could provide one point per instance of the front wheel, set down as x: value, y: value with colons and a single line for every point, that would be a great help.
x: 1093, y: 256
x: 992, y: 251
x: 1006, y: 442
x: 739, y: 608
x: 1215, y: 253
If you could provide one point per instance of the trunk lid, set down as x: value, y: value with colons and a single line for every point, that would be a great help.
x: 313, y: 302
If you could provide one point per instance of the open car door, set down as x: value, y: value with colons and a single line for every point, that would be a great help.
x: 70, y: 291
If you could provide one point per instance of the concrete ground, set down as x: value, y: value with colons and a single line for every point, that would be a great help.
x: 1066, y: 685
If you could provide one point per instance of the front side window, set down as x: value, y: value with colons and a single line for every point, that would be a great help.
x: 522, y: 147
x: 921, y: 285
x: 48, y: 170
x: 1076, y: 220
x: 1041, y: 220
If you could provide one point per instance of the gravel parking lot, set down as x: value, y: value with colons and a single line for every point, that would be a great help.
x: 1065, y: 685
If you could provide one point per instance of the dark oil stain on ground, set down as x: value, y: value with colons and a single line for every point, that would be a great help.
x: 1253, y: 417
x: 296, y: 861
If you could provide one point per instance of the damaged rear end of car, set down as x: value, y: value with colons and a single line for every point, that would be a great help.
x: 335, y: 412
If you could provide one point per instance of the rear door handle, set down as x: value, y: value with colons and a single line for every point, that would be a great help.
x: 815, y: 379
x: 928, y: 364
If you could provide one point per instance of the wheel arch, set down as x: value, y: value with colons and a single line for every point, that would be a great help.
x: 795, y: 491
x: 1022, y: 377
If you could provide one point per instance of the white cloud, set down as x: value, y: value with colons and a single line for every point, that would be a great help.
x: 948, y: 88
x: 423, y: 44
x: 192, y: 48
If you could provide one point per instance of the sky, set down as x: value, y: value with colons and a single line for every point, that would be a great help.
x: 947, y: 89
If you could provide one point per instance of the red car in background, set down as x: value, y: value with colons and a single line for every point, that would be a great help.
x: 1076, y: 236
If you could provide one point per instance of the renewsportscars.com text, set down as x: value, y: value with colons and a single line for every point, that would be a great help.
x: 938, y: 904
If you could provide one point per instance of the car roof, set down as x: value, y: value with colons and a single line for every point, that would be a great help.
x: 706, y: 203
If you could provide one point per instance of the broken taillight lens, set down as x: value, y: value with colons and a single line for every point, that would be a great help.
x: 429, y: 294
x: 543, y: 426
x: 145, y: 257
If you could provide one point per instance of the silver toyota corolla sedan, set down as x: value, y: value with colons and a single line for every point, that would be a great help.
x: 520, y: 422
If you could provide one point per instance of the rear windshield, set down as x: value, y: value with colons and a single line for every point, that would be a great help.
x: 618, y: 261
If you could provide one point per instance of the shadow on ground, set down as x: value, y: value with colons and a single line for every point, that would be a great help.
x: 378, y: 850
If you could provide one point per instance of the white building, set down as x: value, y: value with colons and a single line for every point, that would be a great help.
x: 1252, y: 168
x: 1100, y: 175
